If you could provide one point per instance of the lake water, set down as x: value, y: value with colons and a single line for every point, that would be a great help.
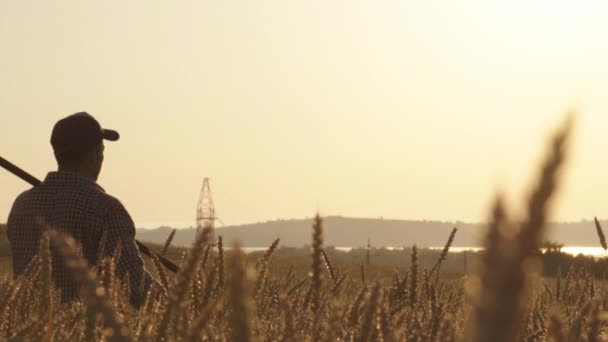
x: 597, y: 252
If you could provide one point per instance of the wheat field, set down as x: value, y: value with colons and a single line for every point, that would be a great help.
x: 226, y: 295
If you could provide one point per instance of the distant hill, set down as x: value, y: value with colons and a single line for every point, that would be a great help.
x: 354, y: 232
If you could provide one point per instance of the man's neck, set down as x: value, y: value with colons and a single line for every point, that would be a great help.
x: 77, y: 170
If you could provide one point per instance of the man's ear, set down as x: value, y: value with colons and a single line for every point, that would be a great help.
x: 99, y: 152
x: 93, y: 154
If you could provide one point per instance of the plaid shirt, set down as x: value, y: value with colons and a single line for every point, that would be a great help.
x: 80, y: 207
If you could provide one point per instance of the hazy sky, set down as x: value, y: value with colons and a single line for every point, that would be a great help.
x: 401, y: 109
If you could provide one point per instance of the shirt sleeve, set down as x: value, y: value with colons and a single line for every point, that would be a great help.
x: 121, y: 234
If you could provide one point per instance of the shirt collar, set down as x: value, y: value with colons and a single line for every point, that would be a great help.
x: 70, y: 177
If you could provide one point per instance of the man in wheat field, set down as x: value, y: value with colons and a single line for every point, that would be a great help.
x: 70, y: 199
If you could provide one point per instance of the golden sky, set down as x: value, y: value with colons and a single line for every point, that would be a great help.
x: 402, y: 109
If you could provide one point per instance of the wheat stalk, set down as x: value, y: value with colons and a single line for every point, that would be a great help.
x: 444, y: 253
x: 220, y: 264
x: 600, y: 234
x: 509, y: 251
x: 414, y: 276
x: 317, y: 246
x: 96, y: 295
x: 181, y: 284
x: 241, y: 301
x: 330, y: 267
x: 168, y: 242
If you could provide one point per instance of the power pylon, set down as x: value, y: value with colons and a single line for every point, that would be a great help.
x: 205, y: 210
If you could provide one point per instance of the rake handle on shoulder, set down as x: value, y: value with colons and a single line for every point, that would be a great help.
x: 17, y: 171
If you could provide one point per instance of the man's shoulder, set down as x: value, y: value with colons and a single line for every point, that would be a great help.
x: 109, y: 208
x: 23, y: 204
x: 108, y: 201
x: 24, y: 197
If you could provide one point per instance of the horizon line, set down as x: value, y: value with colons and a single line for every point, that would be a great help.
x: 456, y: 223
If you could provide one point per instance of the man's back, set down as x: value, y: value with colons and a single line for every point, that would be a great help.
x: 78, y: 206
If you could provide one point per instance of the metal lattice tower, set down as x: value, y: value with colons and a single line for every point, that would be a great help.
x: 205, y: 210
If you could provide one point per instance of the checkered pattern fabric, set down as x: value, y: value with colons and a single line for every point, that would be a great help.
x: 81, y: 208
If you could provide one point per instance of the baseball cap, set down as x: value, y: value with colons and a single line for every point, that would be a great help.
x: 76, y: 133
